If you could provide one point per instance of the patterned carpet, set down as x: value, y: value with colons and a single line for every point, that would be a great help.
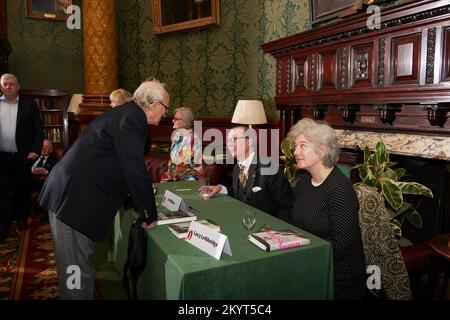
x: 27, y: 263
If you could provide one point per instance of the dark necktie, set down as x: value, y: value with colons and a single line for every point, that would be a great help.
x: 40, y: 164
x: 242, y: 175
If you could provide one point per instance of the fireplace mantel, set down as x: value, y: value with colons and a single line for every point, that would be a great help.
x: 412, y: 145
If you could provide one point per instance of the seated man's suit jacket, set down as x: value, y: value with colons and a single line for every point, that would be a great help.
x: 276, y: 196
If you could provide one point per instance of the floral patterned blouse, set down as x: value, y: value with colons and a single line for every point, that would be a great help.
x: 185, y: 154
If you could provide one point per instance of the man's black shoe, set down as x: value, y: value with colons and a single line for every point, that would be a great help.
x: 22, y: 225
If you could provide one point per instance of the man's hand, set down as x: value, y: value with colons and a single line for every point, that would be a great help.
x: 148, y: 226
x: 39, y: 171
x: 210, y: 190
x: 33, y: 156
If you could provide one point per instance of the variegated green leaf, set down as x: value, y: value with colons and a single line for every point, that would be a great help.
x: 400, y: 172
x: 380, y: 152
x: 287, y: 147
x: 392, y: 193
x: 403, y: 242
x: 366, y: 154
x: 390, y: 174
x: 414, y: 218
x: 415, y: 188
x: 396, y: 228
x: 390, y: 164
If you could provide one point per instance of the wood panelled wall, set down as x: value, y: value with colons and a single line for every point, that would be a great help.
x: 396, y: 78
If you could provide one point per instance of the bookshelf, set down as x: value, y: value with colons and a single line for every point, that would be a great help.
x: 52, y: 106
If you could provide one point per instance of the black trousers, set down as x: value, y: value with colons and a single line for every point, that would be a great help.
x: 15, y: 188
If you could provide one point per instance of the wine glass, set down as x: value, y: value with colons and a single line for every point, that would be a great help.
x: 249, y: 219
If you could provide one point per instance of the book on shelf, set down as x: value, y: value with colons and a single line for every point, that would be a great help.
x: 175, y: 217
x: 278, y: 239
x: 180, y: 229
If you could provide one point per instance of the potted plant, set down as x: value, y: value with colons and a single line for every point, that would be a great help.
x: 377, y: 172
x: 288, y: 158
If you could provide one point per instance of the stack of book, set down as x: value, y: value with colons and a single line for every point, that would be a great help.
x: 180, y: 230
x: 278, y: 239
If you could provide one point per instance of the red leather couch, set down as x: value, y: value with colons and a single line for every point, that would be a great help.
x: 157, y: 165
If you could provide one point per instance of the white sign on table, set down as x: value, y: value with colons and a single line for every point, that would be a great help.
x: 208, y: 240
x: 173, y: 202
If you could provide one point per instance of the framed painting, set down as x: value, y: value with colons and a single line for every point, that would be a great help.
x: 322, y: 10
x: 47, y: 9
x: 178, y: 16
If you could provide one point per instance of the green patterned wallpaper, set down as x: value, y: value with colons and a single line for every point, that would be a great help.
x: 46, y: 55
x: 209, y: 70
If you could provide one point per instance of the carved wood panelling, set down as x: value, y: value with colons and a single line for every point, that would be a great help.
x: 371, y: 79
x: 381, y: 57
x: 362, y: 60
x: 446, y: 56
x: 327, y: 70
x: 405, y: 59
x: 300, y: 79
x: 431, y: 48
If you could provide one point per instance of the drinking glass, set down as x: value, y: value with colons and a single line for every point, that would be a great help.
x: 205, y: 193
x: 249, y: 220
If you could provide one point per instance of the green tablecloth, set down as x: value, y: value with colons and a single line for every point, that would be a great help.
x: 178, y: 270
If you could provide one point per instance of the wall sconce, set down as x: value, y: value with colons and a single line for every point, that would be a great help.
x: 437, y: 115
x: 387, y: 113
x: 349, y: 112
x: 319, y: 112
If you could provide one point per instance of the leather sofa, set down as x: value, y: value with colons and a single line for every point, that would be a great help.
x: 157, y: 165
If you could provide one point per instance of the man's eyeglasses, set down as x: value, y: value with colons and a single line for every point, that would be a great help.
x: 166, y: 107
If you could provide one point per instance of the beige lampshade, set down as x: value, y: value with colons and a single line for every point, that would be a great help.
x: 74, y: 104
x: 249, y: 112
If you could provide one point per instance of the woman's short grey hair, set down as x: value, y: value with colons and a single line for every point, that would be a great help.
x: 321, y: 135
x: 151, y: 90
x: 187, y: 116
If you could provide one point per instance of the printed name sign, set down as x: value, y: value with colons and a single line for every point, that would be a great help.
x: 173, y: 202
x: 208, y: 240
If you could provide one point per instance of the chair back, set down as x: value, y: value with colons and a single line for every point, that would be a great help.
x: 380, y: 247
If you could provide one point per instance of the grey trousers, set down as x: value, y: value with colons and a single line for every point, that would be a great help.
x: 74, y: 266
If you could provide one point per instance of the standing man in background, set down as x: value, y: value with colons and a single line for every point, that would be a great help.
x: 90, y: 183
x: 21, y: 137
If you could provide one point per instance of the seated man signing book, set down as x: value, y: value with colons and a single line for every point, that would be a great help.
x: 269, y: 193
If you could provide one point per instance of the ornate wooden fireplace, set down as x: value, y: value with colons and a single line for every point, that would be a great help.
x: 391, y: 83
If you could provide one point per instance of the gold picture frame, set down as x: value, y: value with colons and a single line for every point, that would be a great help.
x: 47, y: 9
x: 171, y: 16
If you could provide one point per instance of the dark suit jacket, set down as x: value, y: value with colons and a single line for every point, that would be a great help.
x: 50, y: 163
x: 29, y: 132
x: 104, y: 165
x: 276, y: 196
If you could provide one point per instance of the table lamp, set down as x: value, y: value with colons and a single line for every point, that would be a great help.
x: 249, y: 112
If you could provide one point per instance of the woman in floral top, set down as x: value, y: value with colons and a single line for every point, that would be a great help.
x: 186, y: 150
